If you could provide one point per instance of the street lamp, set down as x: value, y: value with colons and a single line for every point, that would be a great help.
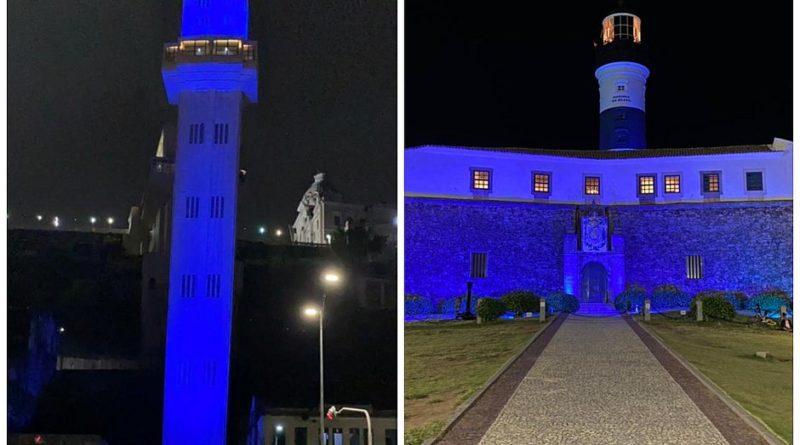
x: 329, y: 279
x: 278, y: 232
x: 39, y: 217
x: 92, y: 220
x: 56, y: 222
x: 262, y: 230
x: 333, y: 412
x: 110, y: 222
x: 278, y: 430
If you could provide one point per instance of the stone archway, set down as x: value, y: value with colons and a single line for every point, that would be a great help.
x: 594, y: 283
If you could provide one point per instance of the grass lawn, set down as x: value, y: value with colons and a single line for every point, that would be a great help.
x: 447, y: 362
x: 724, y: 352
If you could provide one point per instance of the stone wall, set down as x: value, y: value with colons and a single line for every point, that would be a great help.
x: 523, y: 242
x: 744, y: 246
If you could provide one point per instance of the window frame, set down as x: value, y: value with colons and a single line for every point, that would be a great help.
x: 680, y: 184
x: 639, y: 192
x: 710, y: 194
x: 599, y: 185
x: 763, y: 182
x: 472, y: 171
x: 540, y: 194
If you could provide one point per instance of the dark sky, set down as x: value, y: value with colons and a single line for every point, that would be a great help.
x: 86, y: 104
x: 506, y: 74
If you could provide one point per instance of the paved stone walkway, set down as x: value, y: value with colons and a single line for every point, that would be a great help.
x: 597, y: 383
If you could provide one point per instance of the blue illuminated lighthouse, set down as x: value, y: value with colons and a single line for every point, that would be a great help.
x: 210, y: 74
x: 622, y: 78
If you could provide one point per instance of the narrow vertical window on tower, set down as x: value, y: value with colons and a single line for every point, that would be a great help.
x: 187, y: 285
x: 220, y: 134
x: 192, y: 206
x: 481, y: 179
x: 591, y: 185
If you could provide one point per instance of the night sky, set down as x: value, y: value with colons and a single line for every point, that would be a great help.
x: 86, y: 104
x: 507, y: 74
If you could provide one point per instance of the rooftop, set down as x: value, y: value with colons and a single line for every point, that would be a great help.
x: 777, y: 146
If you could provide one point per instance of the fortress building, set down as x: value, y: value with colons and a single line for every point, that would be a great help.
x: 591, y: 222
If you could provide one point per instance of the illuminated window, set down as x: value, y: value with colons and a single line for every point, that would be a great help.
x: 591, y: 185
x: 478, y: 265
x: 647, y: 185
x: 694, y: 267
x: 541, y: 182
x: 754, y: 181
x: 622, y: 27
x: 481, y: 179
x: 672, y: 184
x: 711, y: 182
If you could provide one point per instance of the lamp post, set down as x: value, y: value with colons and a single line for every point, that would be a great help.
x: 329, y: 280
x: 333, y: 412
x: 278, y: 430
x: 110, y: 222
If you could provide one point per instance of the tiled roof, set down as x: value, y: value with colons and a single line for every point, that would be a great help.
x: 621, y: 154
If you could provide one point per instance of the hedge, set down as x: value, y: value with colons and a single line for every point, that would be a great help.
x: 715, y: 305
x: 490, y: 309
x: 561, y: 302
x: 669, y: 296
x: 630, y: 298
x: 417, y: 305
x: 520, y: 302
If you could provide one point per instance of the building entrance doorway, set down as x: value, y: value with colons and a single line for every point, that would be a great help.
x: 594, y: 283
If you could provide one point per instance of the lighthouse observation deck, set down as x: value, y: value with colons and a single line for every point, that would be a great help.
x: 210, y: 51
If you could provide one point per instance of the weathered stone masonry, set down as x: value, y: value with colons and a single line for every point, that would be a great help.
x: 745, y: 246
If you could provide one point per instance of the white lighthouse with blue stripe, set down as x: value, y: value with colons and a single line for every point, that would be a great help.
x: 622, y: 78
x: 210, y: 74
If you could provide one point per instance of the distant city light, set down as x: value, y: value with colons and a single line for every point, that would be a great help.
x: 92, y: 219
x: 279, y: 232
x: 262, y: 230
x: 39, y: 217
x: 110, y: 221
x: 56, y: 222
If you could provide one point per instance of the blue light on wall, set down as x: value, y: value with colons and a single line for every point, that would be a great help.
x: 214, y: 18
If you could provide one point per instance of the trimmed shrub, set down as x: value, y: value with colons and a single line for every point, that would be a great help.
x: 490, y: 309
x: 770, y: 302
x: 520, y: 301
x: 629, y: 298
x: 458, y: 304
x: 715, y: 305
x: 561, y: 302
x: 737, y: 299
x: 417, y: 305
x: 669, y: 296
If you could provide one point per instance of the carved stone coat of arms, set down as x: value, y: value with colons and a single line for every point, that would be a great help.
x: 594, y: 233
